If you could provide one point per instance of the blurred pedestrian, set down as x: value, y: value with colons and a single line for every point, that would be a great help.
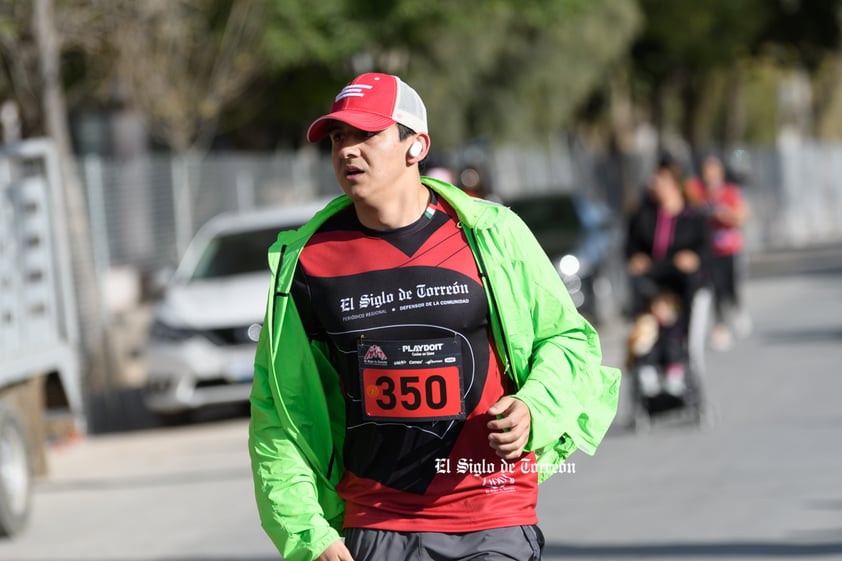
x: 728, y: 211
x: 472, y: 181
x: 667, y: 248
x: 656, y: 344
x: 668, y: 243
x: 442, y: 173
x: 421, y: 367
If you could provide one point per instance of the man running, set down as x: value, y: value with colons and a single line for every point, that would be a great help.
x: 421, y: 368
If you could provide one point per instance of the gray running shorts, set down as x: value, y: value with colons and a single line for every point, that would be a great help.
x: 515, y: 543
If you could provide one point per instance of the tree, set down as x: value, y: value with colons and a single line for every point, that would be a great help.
x: 484, y: 67
x: 529, y: 85
x: 19, y: 70
x: 696, y: 62
x: 56, y: 127
x: 681, y: 52
x: 181, y: 62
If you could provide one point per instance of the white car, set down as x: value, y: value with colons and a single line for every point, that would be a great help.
x: 202, y: 339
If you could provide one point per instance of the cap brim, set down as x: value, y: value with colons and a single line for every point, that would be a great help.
x: 370, y: 122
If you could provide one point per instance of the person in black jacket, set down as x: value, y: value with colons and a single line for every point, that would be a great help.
x: 668, y: 242
x: 667, y: 247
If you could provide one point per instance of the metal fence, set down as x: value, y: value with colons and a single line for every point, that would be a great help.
x: 144, y: 212
x: 795, y: 194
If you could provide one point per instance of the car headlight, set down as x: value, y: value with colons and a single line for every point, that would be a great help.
x: 164, y: 332
x: 569, y: 265
x: 253, y: 332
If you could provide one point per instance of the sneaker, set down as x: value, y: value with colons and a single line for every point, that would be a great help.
x: 650, y: 386
x: 720, y: 338
x: 674, y: 381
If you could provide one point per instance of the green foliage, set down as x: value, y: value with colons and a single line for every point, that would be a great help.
x: 502, y: 69
x: 303, y: 32
x: 697, y: 35
x: 687, y: 46
x: 761, y: 81
x: 683, y: 40
x: 513, y: 69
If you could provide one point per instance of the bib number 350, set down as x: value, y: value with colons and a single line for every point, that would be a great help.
x: 412, y: 394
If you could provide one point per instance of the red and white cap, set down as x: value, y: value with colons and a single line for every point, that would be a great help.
x: 373, y: 102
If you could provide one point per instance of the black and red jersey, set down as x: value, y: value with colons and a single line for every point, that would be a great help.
x: 405, y: 316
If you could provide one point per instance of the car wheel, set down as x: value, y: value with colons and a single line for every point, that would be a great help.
x: 15, y: 474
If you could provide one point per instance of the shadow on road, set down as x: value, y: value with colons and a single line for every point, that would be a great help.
x: 801, y: 336
x: 215, y: 558
x: 704, y: 550
x: 825, y: 258
x: 124, y: 410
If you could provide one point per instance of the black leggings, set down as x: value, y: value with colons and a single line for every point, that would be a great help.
x: 724, y: 276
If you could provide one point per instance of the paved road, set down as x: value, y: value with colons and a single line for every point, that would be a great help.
x: 764, y: 481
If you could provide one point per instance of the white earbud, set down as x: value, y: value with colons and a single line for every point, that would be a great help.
x: 415, y: 149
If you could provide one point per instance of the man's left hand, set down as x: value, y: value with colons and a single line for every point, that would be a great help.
x: 509, y: 432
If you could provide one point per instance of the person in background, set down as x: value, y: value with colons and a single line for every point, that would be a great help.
x: 421, y: 368
x: 667, y: 248
x: 442, y: 173
x: 656, y: 343
x: 472, y: 181
x: 728, y: 211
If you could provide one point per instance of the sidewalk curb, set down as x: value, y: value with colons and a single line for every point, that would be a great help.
x: 814, y: 258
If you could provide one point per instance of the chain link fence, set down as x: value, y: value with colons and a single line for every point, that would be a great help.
x: 144, y: 212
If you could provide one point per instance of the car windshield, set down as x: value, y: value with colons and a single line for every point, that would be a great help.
x: 553, y: 219
x: 235, y: 254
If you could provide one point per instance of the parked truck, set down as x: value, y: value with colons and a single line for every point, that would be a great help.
x: 40, y: 381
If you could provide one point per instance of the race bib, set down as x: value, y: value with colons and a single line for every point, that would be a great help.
x: 411, y: 380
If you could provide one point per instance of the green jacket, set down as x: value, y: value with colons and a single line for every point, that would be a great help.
x: 297, y: 426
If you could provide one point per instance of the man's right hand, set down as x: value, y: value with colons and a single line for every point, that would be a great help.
x: 335, y: 552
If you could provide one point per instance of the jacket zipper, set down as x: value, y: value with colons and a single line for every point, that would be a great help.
x: 275, y: 293
x: 278, y: 270
x: 277, y: 280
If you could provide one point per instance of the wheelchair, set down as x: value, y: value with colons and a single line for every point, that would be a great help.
x: 652, y: 399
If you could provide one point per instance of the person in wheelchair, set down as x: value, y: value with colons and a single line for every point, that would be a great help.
x: 667, y: 247
x: 657, y: 346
